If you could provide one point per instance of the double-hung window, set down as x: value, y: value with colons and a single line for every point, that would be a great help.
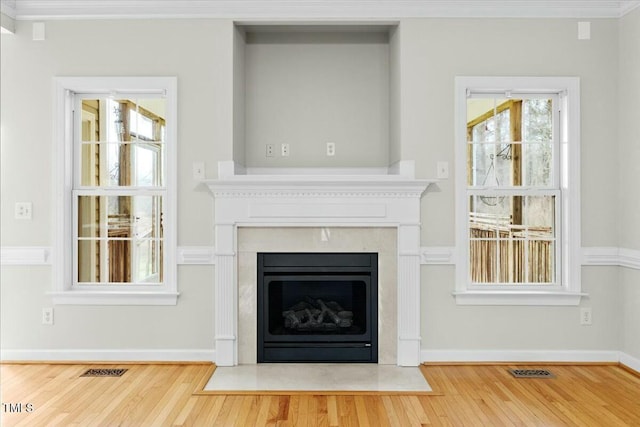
x: 116, y: 242
x: 517, y: 191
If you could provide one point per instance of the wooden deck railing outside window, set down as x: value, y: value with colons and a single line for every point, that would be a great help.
x: 501, y: 250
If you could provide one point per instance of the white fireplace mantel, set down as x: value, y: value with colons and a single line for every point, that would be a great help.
x: 312, y: 198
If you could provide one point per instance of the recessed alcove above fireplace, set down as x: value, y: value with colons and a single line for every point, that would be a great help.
x: 309, y: 84
x: 333, y: 212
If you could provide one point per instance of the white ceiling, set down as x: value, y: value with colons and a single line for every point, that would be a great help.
x: 283, y: 10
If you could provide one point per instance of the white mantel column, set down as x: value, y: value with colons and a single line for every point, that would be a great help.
x: 226, y: 296
x: 409, y: 295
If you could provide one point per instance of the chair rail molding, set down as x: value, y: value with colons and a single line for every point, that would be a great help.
x: 429, y: 255
x: 25, y: 255
x: 611, y: 255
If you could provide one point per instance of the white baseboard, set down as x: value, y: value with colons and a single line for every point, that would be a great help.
x: 630, y: 361
x: 474, y: 356
x: 203, y: 355
x: 196, y: 355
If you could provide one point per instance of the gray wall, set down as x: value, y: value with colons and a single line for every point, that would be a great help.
x: 629, y: 164
x: 431, y: 52
x: 309, y: 88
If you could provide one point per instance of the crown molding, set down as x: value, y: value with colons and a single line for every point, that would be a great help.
x: 8, y: 8
x: 627, y: 6
x: 313, y: 9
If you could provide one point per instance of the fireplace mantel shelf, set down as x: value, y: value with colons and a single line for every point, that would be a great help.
x: 313, y: 181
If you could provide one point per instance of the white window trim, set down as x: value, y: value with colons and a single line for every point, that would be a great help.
x: 569, y: 291
x: 63, y: 291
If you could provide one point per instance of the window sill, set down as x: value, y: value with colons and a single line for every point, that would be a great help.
x: 114, y: 298
x: 507, y: 297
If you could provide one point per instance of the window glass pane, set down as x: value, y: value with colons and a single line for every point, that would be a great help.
x: 493, y: 129
x: 122, y: 142
x: 90, y: 159
x: 537, y: 120
x: 541, y: 265
x: 148, y: 216
x: 490, y: 165
x: 528, y: 161
x: 512, y: 239
x: 118, y: 125
x: 135, y: 216
x: 492, y: 207
x: 539, y: 214
x: 148, y: 261
x: 90, y: 126
x: 120, y: 261
x: 148, y: 160
x: 538, y: 160
x: 129, y: 245
x: 123, y: 164
x: 89, y: 216
x: 533, y: 214
x: 488, y: 120
x: 89, y: 258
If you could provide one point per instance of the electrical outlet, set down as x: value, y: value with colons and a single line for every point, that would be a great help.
x: 47, y: 316
x: 23, y: 210
x: 331, y: 148
x: 270, y: 150
x: 585, y: 316
x: 285, y: 150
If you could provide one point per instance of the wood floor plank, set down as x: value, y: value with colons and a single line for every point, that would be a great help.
x: 361, y: 412
x: 163, y: 395
x: 332, y: 411
x: 389, y: 409
x: 263, y: 411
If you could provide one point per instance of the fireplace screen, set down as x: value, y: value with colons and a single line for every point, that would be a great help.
x: 317, y: 307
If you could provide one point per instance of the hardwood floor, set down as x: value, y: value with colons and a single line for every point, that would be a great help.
x: 467, y: 395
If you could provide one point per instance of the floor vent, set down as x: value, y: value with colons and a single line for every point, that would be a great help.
x: 531, y: 373
x: 104, y: 373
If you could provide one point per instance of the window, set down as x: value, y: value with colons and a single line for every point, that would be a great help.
x: 116, y: 214
x: 517, y: 210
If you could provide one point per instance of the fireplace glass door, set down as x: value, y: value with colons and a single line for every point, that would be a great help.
x: 317, y: 307
x: 320, y: 312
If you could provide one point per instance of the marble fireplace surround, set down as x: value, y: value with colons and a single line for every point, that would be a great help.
x: 324, y: 210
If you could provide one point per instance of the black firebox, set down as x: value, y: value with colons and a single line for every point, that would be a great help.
x: 318, y: 307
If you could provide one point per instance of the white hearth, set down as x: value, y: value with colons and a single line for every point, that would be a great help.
x: 253, y: 207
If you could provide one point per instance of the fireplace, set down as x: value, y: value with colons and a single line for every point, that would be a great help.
x: 317, y: 307
x: 287, y: 198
